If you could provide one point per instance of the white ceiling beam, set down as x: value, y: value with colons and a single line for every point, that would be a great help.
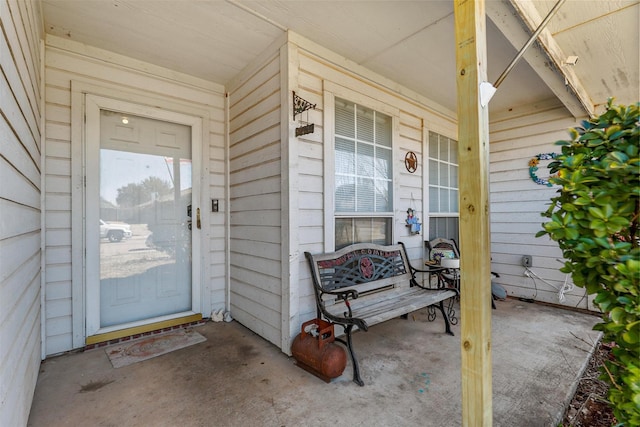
x: 510, y: 16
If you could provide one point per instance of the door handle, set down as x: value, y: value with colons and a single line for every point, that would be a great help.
x: 198, y: 219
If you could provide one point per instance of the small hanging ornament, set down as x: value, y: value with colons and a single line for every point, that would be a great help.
x: 413, y: 222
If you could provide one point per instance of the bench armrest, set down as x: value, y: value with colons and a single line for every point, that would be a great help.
x: 345, y: 296
x: 347, y: 316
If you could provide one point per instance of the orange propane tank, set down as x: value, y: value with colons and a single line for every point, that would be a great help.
x: 315, y: 351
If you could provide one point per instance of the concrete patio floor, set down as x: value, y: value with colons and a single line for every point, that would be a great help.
x: 410, y: 367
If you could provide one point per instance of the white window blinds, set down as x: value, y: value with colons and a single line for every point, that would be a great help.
x: 363, y: 159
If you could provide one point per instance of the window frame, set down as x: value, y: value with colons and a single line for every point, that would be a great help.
x: 331, y: 92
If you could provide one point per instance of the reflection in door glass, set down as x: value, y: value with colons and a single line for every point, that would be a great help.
x: 145, y: 223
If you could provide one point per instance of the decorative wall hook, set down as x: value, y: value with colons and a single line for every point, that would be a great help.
x: 300, y: 106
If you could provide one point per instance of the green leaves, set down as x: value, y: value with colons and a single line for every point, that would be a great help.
x: 595, y: 220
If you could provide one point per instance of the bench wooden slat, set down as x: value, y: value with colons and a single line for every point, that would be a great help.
x: 391, y: 304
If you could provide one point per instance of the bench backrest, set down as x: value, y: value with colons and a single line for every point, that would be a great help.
x: 363, y: 267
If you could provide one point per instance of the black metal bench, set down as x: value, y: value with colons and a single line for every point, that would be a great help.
x: 365, y: 284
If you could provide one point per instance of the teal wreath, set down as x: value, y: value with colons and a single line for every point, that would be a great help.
x: 533, y: 167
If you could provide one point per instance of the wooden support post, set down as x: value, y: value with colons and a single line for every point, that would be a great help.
x: 473, y: 151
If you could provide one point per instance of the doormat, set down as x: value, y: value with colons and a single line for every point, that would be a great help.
x: 148, y: 347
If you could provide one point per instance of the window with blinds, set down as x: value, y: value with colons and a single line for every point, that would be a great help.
x: 443, y: 187
x: 363, y: 175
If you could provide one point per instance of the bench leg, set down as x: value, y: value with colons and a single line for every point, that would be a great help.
x: 354, y: 361
x: 446, y: 319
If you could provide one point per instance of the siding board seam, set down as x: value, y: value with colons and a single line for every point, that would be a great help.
x: 32, y: 72
x: 19, y: 141
x: 13, y: 202
x: 257, y: 101
x: 257, y: 149
x: 19, y: 172
x: 20, y: 76
x: 252, y: 121
x: 7, y: 314
x: 253, y: 91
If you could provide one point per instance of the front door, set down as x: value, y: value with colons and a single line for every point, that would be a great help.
x: 141, y: 219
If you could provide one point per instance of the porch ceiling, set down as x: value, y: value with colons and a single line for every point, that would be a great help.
x: 409, y: 42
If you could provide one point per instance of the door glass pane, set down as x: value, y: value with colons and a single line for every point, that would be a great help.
x: 145, y: 218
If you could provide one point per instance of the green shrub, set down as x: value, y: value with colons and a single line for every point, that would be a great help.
x: 594, y: 219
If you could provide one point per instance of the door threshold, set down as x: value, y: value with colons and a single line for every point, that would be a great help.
x: 114, y: 337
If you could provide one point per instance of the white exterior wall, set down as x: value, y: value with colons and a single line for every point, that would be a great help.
x: 314, y: 73
x: 70, y: 64
x: 516, y: 203
x: 255, y: 190
x: 20, y: 208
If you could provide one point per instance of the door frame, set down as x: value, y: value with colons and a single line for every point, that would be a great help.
x: 93, y: 105
x: 141, y: 103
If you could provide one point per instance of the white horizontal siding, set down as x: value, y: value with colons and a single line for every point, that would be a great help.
x: 414, y: 121
x: 66, y: 62
x: 255, y: 199
x: 516, y: 204
x: 20, y: 207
